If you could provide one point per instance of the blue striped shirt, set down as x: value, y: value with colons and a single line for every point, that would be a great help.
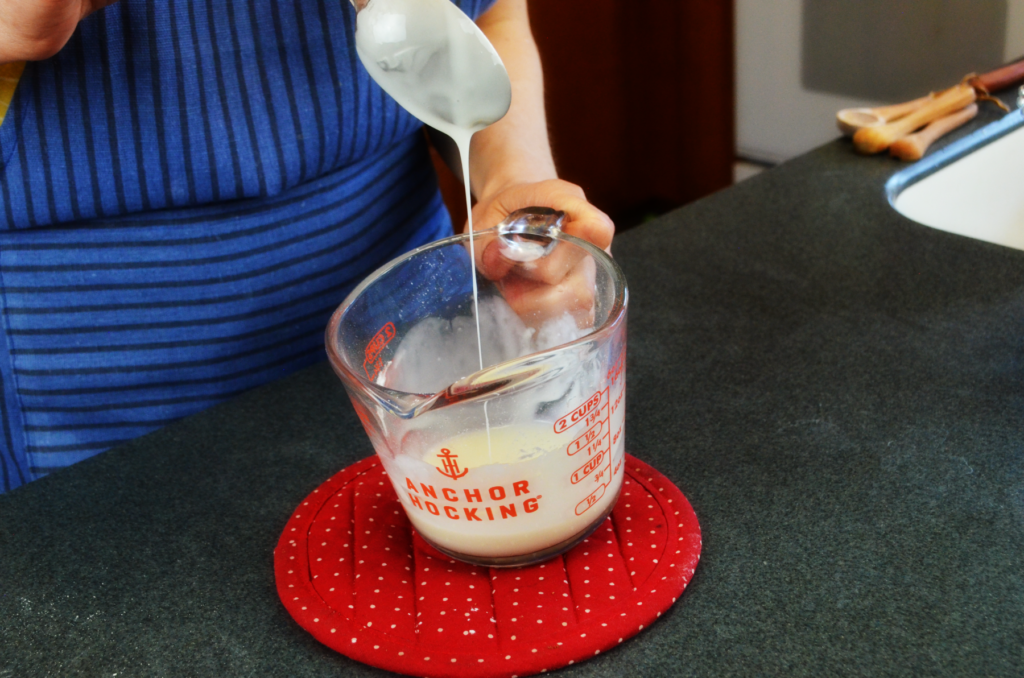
x: 186, y: 191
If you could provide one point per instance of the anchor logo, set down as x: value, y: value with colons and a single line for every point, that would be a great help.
x: 451, y: 467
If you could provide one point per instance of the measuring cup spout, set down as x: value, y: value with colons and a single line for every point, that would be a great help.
x: 410, y: 405
x: 495, y: 381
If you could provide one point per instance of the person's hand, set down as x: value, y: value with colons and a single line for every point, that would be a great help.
x: 563, y: 280
x: 31, y: 30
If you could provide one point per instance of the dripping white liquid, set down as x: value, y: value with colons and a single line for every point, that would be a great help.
x: 434, y: 61
x: 463, y: 141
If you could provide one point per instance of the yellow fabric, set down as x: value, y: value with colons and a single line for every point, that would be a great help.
x: 10, y: 74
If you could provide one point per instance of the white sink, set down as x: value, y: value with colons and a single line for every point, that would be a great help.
x: 973, y: 187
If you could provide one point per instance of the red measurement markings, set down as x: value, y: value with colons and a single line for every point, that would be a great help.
x: 604, y: 474
x: 600, y: 415
x: 615, y: 371
x: 596, y: 445
x: 588, y: 468
x: 591, y: 499
x: 584, y: 412
x: 583, y: 442
x: 372, y: 361
x: 618, y: 401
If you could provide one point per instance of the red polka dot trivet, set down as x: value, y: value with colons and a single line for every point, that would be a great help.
x: 351, y: 572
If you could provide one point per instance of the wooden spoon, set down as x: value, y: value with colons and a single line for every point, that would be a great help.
x: 849, y: 120
x: 913, y: 147
x: 877, y: 139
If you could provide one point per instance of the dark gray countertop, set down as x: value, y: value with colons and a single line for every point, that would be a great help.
x: 837, y: 390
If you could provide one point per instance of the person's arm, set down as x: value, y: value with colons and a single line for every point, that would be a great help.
x: 511, y: 168
x: 515, y: 149
x: 31, y: 30
x: 511, y: 164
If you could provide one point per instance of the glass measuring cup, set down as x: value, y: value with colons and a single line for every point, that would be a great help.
x: 519, y: 461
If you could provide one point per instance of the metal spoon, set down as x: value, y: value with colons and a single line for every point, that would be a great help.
x: 434, y: 61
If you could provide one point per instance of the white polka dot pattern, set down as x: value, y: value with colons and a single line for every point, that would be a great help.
x: 352, y: 572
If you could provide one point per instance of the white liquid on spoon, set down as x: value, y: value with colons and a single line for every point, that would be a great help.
x: 437, y: 64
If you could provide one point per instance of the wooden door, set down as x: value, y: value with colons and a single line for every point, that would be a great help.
x: 640, y: 101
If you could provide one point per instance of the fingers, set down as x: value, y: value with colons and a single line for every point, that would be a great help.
x: 491, y: 262
x: 536, y: 302
x: 33, y: 30
x: 585, y: 221
x: 562, y: 281
x: 494, y: 264
x: 582, y: 220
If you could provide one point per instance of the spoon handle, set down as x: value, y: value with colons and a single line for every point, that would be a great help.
x: 1001, y: 78
x: 895, y: 111
x: 913, y: 146
x: 876, y: 139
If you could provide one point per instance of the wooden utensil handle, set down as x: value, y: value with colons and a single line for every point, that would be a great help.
x: 951, y: 100
x: 877, y: 139
x: 913, y: 147
x: 1001, y: 78
x: 889, y: 113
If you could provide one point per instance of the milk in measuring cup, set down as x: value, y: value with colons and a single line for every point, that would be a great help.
x: 535, y: 486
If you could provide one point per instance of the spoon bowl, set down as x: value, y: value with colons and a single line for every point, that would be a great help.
x: 435, y: 61
x: 849, y: 120
x: 852, y: 120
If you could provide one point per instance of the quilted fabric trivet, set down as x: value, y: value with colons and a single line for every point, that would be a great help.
x: 352, y: 572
